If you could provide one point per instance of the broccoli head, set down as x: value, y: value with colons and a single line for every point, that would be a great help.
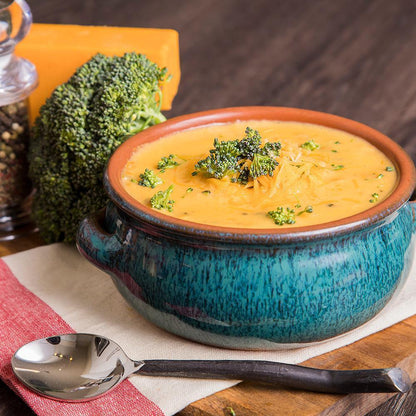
x: 271, y: 149
x: 148, y: 178
x: 222, y: 160
x: 262, y: 165
x: 167, y: 163
x: 250, y: 144
x: 241, y: 160
x: 310, y: 145
x: 107, y: 100
x: 161, y: 199
x: 282, y: 216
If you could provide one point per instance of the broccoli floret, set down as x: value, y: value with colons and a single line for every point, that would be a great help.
x: 243, y: 176
x: 106, y: 101
x: 240, y: 160
x: 250, y: 144
x: 374, y: 197
x: 307, y: 209
x: 310, y: 145
x: 149, y: 178
x: 271, y: 149
x: 222, y: 161
x: 167, y: 162
x: 160, y: 200
x: 282, y: 216
x: 262, y: 165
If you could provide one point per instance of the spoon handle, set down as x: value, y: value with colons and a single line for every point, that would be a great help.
x: 305, y: 378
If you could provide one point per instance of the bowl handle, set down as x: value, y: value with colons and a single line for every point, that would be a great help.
x: 412, y: 203
x: 95, y: 243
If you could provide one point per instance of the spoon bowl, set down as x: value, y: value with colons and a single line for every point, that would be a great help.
x: 72, y: 367
x: 80, y: 367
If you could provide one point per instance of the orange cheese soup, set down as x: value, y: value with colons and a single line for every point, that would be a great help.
x: 321, y: 175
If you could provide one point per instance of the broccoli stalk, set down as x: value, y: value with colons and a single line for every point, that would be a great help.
x: 107, y: 100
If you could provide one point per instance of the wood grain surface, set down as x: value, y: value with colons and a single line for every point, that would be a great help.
x: 356, y: 59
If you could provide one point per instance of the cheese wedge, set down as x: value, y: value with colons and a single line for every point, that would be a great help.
x: 58, y: 50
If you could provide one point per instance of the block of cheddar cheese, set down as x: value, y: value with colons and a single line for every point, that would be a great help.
x: 58, y: 50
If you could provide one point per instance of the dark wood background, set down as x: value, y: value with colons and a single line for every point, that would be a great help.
x: 353, y: 58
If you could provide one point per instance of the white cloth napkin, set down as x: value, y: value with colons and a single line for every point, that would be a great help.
x: 88, y: 301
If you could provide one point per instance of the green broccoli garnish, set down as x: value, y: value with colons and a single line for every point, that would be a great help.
x: 167, y: 162
x: 222, y: 161
x: 107, y: 100
x: 250, y: 144
x: 282, y: 216
x: 307, y: 209
x: 160, y: 200
x: 240, y: 160
x: 262, y: 165
x: 243, y: 176
x: 310, y: 145
x: 271, y: 149
x: 375, y: 196
x: 149, y: 178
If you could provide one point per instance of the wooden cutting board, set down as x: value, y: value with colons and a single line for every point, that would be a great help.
x: 394, y: 346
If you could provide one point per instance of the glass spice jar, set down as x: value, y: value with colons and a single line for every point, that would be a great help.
x: 18, y: 78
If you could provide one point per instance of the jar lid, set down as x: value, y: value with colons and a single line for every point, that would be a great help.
x: 18, y: 77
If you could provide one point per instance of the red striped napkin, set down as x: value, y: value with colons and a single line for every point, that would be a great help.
x: 23, y: 318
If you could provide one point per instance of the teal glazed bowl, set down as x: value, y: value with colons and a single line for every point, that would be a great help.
x: 254, y: 289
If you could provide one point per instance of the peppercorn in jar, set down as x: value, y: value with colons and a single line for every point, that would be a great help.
x: 18, y: 78
x: 14, y: 140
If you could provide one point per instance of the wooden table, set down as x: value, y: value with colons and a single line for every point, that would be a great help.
x: 352, y: 58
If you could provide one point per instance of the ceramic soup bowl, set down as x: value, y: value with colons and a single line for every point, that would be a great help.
x: 254, y: 289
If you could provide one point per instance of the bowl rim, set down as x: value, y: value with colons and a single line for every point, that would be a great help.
x: 400, y: 195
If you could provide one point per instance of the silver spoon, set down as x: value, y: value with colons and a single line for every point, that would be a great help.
x: 80, y: 367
